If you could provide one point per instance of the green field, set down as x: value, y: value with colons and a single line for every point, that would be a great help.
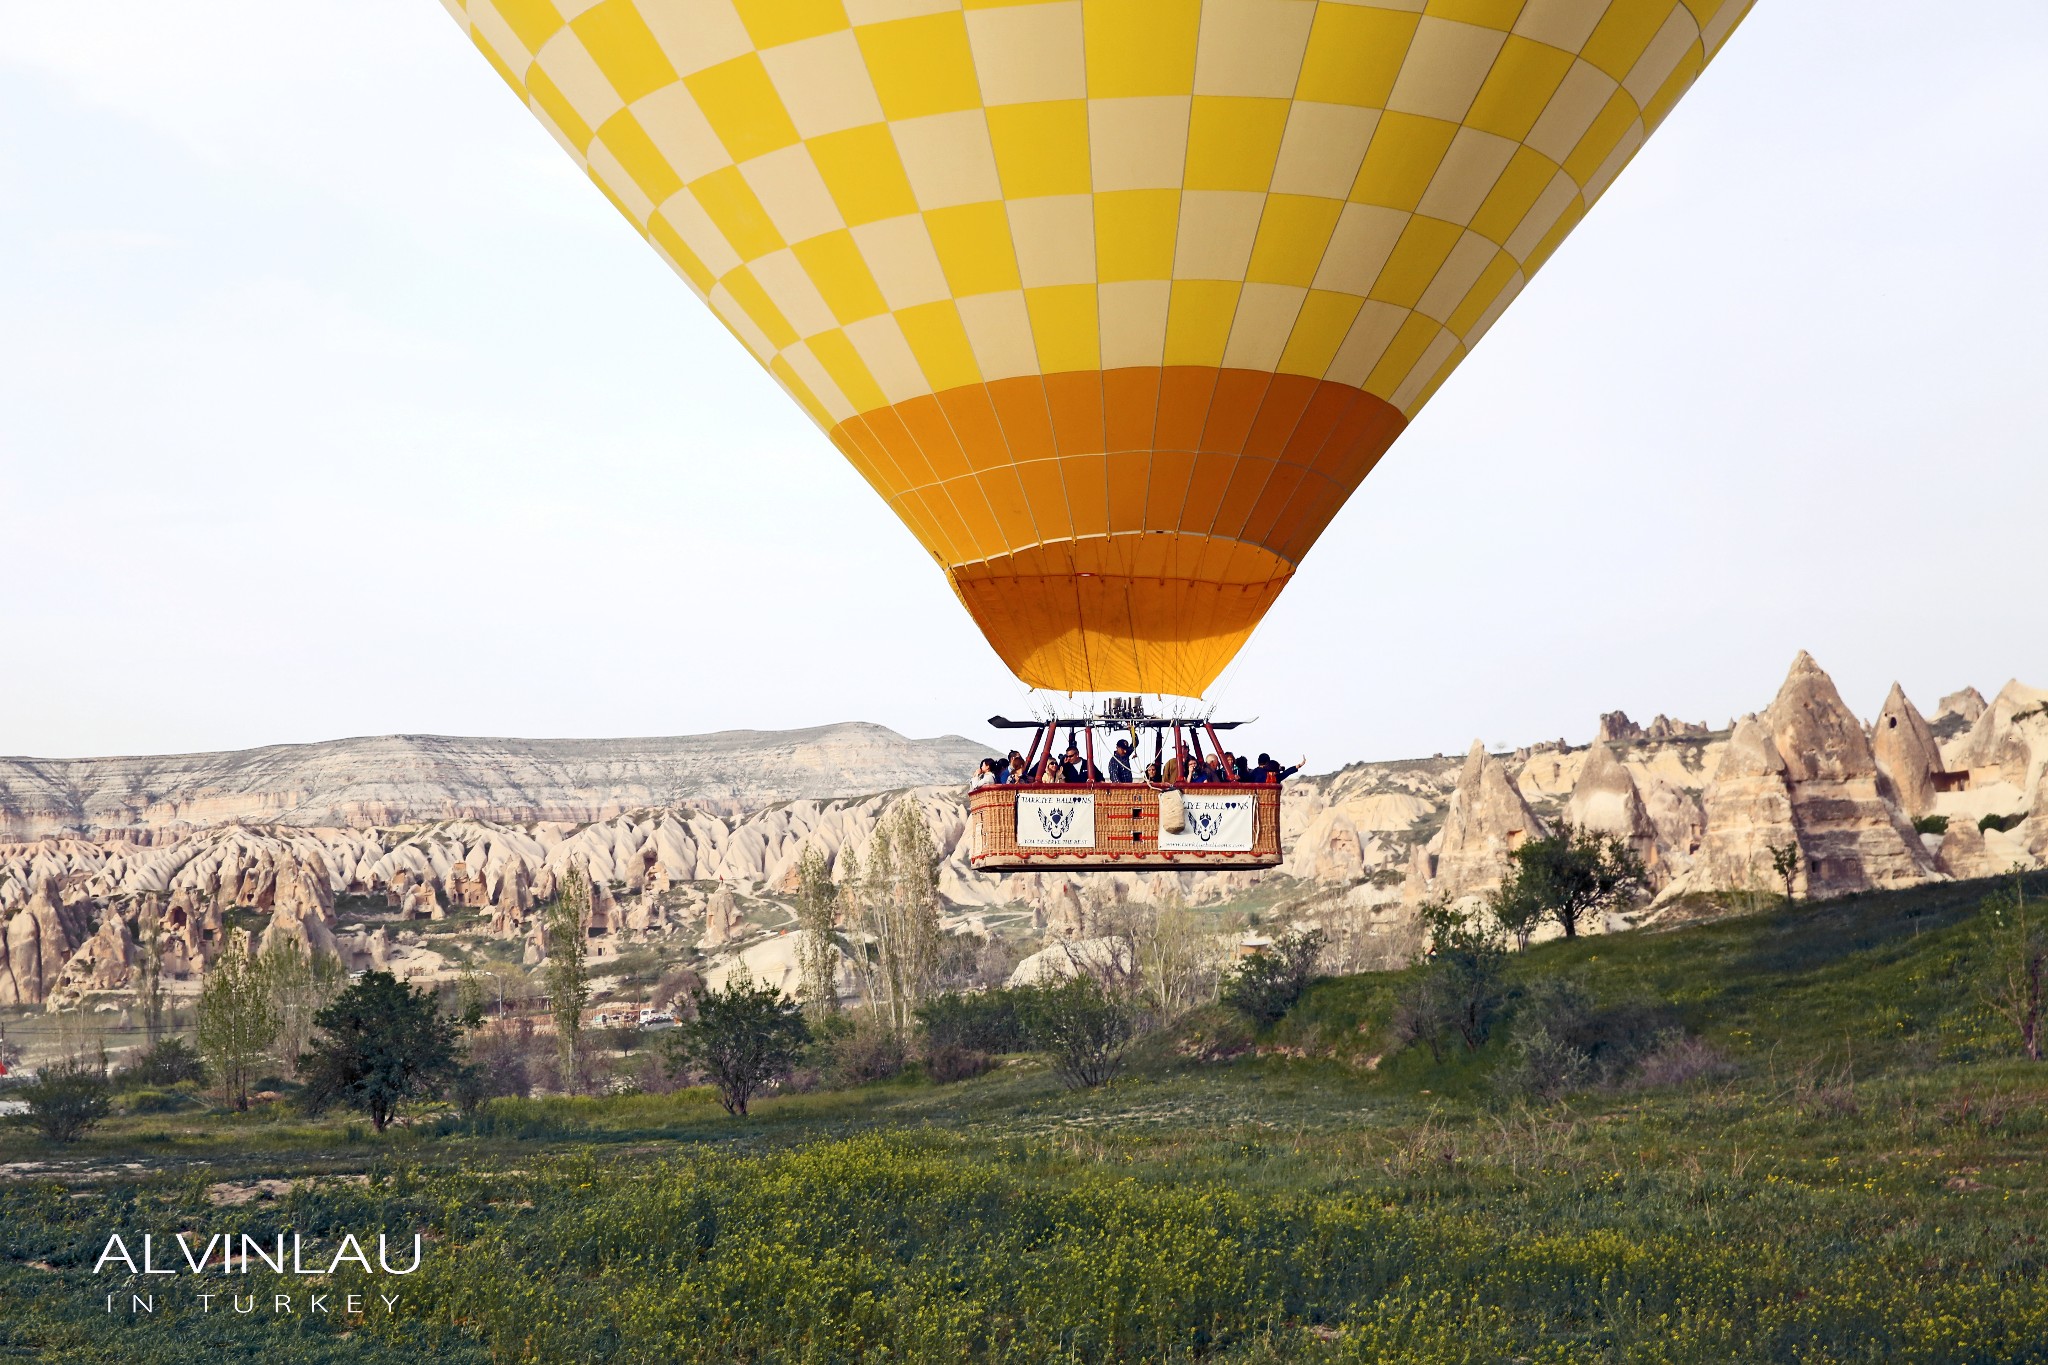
x: 1864, y: 1178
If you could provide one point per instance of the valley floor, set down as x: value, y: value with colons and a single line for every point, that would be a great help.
x: 1868, y: 1181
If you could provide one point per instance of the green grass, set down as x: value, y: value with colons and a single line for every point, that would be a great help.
x: 1868, y: 1186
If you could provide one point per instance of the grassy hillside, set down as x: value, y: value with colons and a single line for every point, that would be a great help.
x: 1854, y: 1172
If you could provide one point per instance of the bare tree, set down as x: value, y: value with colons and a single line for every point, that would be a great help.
x: 1177, y: 958
x: 2016, y: 937
x: 299, y: 985
x: 895, y: 906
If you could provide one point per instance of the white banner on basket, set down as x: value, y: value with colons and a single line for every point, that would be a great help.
x: 1219, y: 824
x: 1055, y: 819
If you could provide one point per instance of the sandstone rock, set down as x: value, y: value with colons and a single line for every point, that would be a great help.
x: 1963, y: 854
x: 38, y: 941
x: 1486, y: 821
x: 1967, y: 705
x: 721, y: 918
x: 1616, y: 728
x: 104, y: 962
x: 1852, y: 839
x: 1746, y: 812
x: 1906, y: 754
x: 2007, y: 742
x: 1663, y: 727
x: 1607, y: 802
x: 1675, y: 814
x: 391, y: 779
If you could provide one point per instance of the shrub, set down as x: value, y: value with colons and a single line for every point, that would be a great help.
x: 169, y: 1063
x: 2000, y: 823
x: 149, y: 1100
x: 981, y: 1021
x: 1563, y: 1041
x: 1460, y: 992
x: 1266, y: 985
x: 1541, y: 1066
x: 1931, y: 824
x: 951, y: 1062
x: 1680, y: 1060
x: 66, y: 1099
x: 1082, y: 1029
x: 853, y: 1050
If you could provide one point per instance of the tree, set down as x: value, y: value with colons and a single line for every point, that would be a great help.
x: 1266, y: 985
x: 895, y: 905
x: 67, y: 1098
x: 743, y: 1037
x: 149, y: 973
x: 567, y: 981
x: 1460, y: 991
x: 300, y: 985
x: 1574, y: 872
x: 1785, y: 861
x: 1516, y: 910
x: 1082, y: 1027
x: 1176, y: 958
x: 2016, y: 943
x: 236, y: 1019
x: 381, y: 1043
x: 817, y: 958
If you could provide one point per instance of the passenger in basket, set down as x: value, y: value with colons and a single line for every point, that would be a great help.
x: 1017, y: 773
x: 1273, y: 772
x: 1120, y: 762
x: 1072, y: 769
x: 985, y: 775
x: 1152, y: 772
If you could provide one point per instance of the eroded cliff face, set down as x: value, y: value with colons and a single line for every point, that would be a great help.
x: 1371, y: 841
x: 395, y: 779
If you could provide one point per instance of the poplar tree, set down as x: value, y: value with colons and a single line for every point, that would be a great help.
x: 237, y: 1021
x: 567, y: 981
x: 149, y: 974
x: 816, y: 899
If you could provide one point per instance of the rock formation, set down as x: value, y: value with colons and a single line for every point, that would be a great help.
x: 1965, y: 705
x: 721, y: 918
x: 1963, y: 855
x: 1852, y: 839
x: 394, y: 779
x: 1606, y: 801
x: 1616, y: 728
x: 1486, y: 821
x: 1746, y: 814
x: 2001, y: 744
x: 1907, y: 756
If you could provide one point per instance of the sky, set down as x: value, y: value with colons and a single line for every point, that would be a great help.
x: 334, y: 401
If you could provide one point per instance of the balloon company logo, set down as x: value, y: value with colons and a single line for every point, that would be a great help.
x: 136, y: 1261
x: 1207, y: 820
x: 1058, y: 821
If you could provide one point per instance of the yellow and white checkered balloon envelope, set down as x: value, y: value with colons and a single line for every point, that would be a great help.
x: 1114, y: 301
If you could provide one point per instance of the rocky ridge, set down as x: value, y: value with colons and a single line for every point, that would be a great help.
x: 1366, y: 844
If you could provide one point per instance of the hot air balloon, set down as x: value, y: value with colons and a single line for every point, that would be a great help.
x: 1115, y: 302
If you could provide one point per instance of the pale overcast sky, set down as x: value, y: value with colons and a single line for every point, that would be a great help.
x: 335, y: 401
